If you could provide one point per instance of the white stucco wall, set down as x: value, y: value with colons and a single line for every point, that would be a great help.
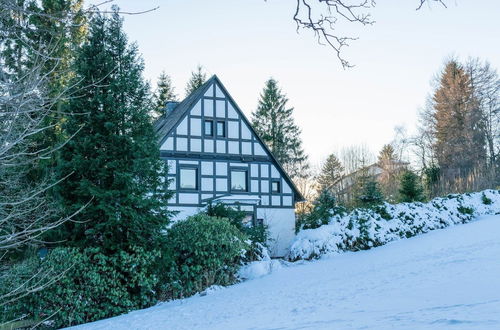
x: 281, y: 226
x: 184, y: 212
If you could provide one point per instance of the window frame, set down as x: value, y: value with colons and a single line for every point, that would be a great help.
x: 223, y: 122
x: 197, y: 176
x: 278, y: 191
x: 211, y: 122
x: 236, y: 169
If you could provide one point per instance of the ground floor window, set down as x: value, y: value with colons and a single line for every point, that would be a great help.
x: 188, y: 178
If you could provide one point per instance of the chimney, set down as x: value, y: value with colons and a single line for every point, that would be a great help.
x: 170, y: 106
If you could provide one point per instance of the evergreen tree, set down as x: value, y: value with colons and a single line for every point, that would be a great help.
x: 197, y: 79
x: 274, y: 123
x: 112, y: 164
x: 410, y: 188
x: 165, y: 92
x: 366, y: 191
x: 458, y: 126
x: 331, y: 173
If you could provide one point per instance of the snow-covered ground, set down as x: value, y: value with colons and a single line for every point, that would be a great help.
x: 445, y: 279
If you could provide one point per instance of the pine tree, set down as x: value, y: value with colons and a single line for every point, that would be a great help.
x: 274, y: 123
x: 410, y: 188
x: 458, y: 127
x: 331, y: 172
x: 165, y: 92
x: 197, y: 79
x: 112, y: 164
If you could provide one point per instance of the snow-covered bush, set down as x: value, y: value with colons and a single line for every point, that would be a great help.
x: 366, y: 228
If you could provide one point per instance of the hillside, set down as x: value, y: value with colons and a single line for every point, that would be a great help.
x: 447, y: 277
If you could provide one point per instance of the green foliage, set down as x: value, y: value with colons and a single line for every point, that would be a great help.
x: 465, y: 210
x: 197, y: 79
x: 112, y: 163
x: 331, y: 173
x: 203, y: 251
x: 256, y: 232
x: 367, y: 192
x: 273, y: 121
x: 89, y: 286
x: 485, y: 199
x: 165, y: 91
x: 410, y: 188
x: 324, y: 208
x: 431, y: 179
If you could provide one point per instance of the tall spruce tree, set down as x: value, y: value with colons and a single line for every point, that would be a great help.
x: 112, y: 163
x: 331, y: 172
x: 458, y: 126
x: 165, y: 92
x: 274, y: 123
x: 197, y: 79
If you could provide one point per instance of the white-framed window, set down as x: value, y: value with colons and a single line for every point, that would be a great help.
x: 239, y: 180
x: 188, y: 178
x: 221, y: 128
x: 208, y: 128
x: 275, y: 187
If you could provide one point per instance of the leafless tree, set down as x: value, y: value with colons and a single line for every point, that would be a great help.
x: 486, y: 86
x: 324, y: 17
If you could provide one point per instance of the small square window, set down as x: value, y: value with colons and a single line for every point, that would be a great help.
x: 188, y: 178
x: 221, y: 128
x: 239, y: 180
x: 275, y: 187
x: 209, y: 128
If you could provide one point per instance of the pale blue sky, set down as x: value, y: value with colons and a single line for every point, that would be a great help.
x: 245, y: 42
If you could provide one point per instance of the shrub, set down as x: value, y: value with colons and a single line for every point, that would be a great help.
x: 91, y: 286
x: 465, y: 210
x: 324, y: 208
x: 485, y: 199
x: 256, y: 232
x: 204, y: 251
x: 369, y: 194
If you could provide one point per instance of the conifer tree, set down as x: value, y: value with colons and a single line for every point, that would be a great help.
x: 274, y: 123
x: 458, y: 126
x: 112, y: 163
x: 165, y: 92
x: 366, y: 191
x: 197, y: 79
x: 410, y: 188
x: 331, y: 172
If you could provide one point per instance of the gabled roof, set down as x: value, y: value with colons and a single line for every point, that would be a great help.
x: 168, y: 122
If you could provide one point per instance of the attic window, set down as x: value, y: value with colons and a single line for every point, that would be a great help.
x: 209, y: 128
x: 221, y: 128
x: 275, y: 187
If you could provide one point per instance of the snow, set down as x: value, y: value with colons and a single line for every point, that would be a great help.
x: 362, y: 229
x: 446, y: 278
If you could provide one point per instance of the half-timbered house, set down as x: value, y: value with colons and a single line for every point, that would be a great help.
x: 214, y: 154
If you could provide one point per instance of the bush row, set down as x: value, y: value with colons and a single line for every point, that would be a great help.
x: 366, y: 228
x: 71, y: 286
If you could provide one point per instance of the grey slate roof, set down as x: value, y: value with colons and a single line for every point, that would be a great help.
x: 167, y: 122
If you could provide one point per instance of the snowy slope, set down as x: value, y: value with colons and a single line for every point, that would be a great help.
x: 448, y: 278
